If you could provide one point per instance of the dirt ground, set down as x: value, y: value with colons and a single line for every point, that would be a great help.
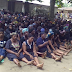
x: 50, y: 65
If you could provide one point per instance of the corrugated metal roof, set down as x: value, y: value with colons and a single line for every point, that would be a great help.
x: 66, y: 8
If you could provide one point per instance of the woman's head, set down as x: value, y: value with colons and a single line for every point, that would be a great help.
x: 26, y: 22
x: 39, y: 28
x: 51, y: 35
x: 13, y: 35
x: 26, y: 34
x: 10, y: 27
x: 71, y: 41
x: 42, y: 30
x: 32, y: 31
x: 30, y: 38
x: 30, y: 27
x: 1, y: 33
x: 22, y: 25
x: 62, y: 33
x: 43, y: 35
x: 25, y: 31
x: 56, y: 32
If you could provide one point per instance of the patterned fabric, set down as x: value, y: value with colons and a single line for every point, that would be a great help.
x: 2, y: 44
x: 16, y: 46
x: 29, y: 47
x: 13, y: 33
x: 49, y: 34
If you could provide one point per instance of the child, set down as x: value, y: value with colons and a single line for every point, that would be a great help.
x: 52, y: 44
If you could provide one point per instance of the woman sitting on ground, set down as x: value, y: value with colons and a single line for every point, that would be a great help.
x: 29, y: 49
x: 43, y: 48
x: 9, y: 30
x: 14, y: 50
x: 3, y: 40
x: 53, y: 45
x: 60, y: 45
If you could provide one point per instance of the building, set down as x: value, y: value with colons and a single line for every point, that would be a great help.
x: 67, y: 11
x: 13, y: 6
x: 20, y: 6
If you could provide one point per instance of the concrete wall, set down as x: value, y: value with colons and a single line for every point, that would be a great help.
x: 23, y: 9
x: 56, y: 9
x: 32, y: 6
x: 3, y: 4
x: 18, y: 6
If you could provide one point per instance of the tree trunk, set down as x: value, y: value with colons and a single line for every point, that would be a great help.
x: 26, y: 5
x: 52, y: 6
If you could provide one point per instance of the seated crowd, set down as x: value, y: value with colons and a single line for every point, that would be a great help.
x: 24, y: 38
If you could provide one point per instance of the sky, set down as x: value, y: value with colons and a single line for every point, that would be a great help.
x: 45, y: 2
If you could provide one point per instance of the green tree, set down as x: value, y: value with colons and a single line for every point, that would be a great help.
x: 69, y: 1
x: 52, y: 6
x: 59, y: 3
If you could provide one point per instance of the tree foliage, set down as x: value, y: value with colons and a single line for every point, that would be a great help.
x: 11, y: 0
x: 59, y: 3
x: 69, y: 1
